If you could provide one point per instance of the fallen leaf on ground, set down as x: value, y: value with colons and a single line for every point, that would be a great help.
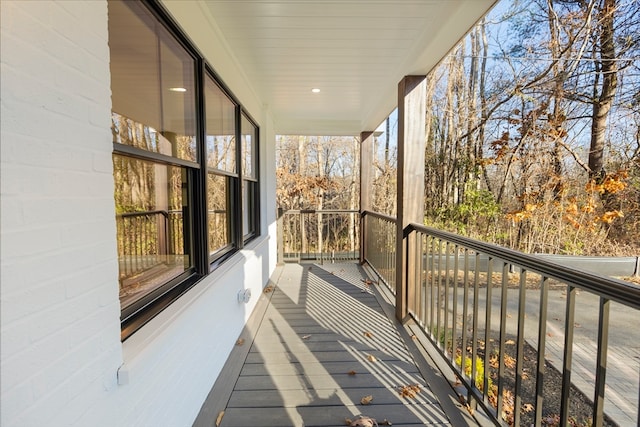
x: 414, y: 337
x: 509, y: 361
x: 306, y: 337
x: 219, y: 419
x: 351, y: 372
x: 410, y: 390
x: 510, y: 342
x: 348, y: 421
x: 240, y: 341
x: 494, y: 362
x: 527, y: 407
x: 368, y: 334
x: 366, y: 400
x: 363, y: 421
x: 371, y: 358
x: 268, y: 289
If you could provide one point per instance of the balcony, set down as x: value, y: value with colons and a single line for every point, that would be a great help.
x: 541, y: 344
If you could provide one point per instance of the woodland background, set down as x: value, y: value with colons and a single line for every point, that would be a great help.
x: 533, y: 135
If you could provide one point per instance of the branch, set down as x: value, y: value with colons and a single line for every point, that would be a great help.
x: 575, y: 156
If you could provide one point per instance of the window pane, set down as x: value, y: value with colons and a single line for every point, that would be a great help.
x: 150, y: 201
x: 218, y: 212
x: 248, y: 208
x: 248, y: 148
x: 221, y: 125
x: 152, y: 84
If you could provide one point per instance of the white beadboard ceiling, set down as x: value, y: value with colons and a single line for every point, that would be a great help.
x: 354, y: 51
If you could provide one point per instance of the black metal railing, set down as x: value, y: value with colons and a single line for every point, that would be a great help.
x: 379, y: 247
x: 146, y: 238
x: 319, y: 235
x: 504, y: 320
x: 532, y: 342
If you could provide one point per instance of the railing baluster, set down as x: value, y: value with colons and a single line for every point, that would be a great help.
x: 454, y: 335
x: 432, y: 287
x: 474, y: 344
x: 569, y: 323
x: 465, y: 312
x: 601, y: 362
x: 503, y: 325
x: 418, y: 274
x: 522, y: 293
x: 446, y: 298
x: 487, y: 326
x: 427, y: 273
x: 542, y: 333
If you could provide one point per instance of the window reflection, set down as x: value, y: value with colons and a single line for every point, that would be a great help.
x: 218, y: 212
x: 149, y: 221
x: 152, y: 85
x: 221, y: 125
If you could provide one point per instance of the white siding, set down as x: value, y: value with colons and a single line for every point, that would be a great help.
x: 60, y: 328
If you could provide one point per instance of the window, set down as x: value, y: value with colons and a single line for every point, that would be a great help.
x: 249, y: 178
x: 186, y: 183
x: 221, y: 167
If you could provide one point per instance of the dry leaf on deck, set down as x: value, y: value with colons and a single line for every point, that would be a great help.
x: 351, y: 372
x: 368, y: 334
x: 410, y: 390
x: 219, y: 419
x: 366, y: 400
x: 240, y: 341
x: 306, y: 337
x: 371, y: 358
x: 348, y: 421
x: 363, y: 421
x: 268, y: 289
x: 509, y: 342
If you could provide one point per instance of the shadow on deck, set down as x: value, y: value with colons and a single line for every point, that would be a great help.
x: 318, y: 344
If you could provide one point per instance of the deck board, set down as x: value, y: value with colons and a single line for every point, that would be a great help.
x: 323, y: 343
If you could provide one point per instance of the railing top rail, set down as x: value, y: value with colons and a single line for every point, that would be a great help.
x: 610, y: 288
x: 143, y: 213
x: 312, y: 211
x: 380, y: 216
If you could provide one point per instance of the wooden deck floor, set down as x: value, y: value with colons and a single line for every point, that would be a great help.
x: 317, y: 345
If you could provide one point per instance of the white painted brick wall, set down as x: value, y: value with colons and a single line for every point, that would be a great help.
x: 60, y: 312
x: 60, y: 330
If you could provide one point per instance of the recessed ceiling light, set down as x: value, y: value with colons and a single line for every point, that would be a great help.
x: 315, y: 90
x: 177, y: 89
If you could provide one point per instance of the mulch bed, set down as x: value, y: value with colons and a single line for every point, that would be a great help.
x: 580, y: 406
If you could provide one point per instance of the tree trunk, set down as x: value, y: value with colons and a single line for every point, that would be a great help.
x: 607, y: 70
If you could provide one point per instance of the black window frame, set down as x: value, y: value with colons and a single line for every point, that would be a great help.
x: 203, y: 262
x: 254, y: 194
